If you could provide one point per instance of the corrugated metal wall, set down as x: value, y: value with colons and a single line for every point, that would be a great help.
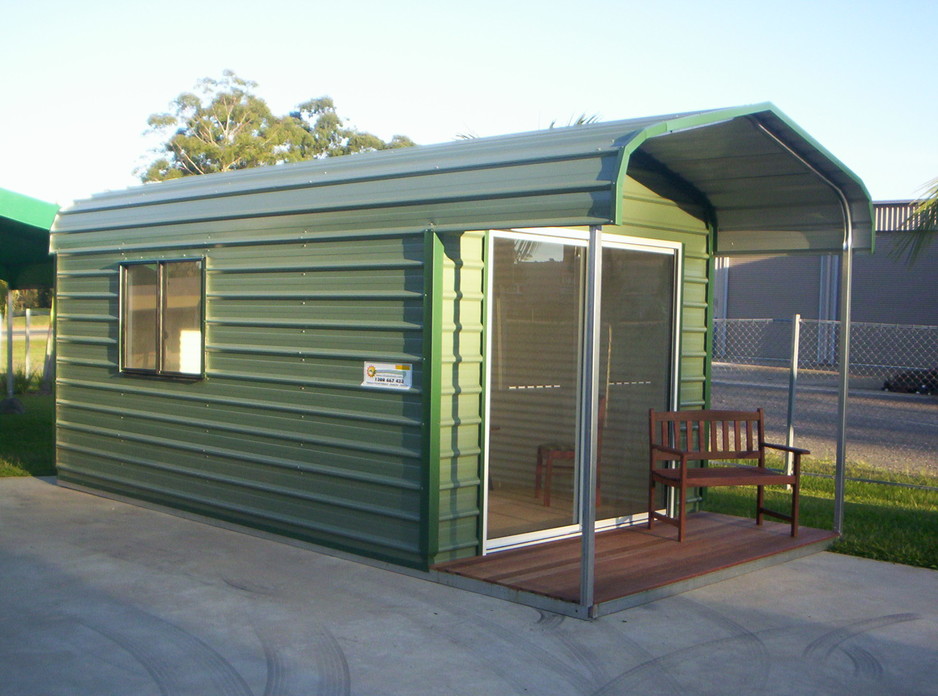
x: 653, y: 217
x: 280, y: 435
x: 461, y: 396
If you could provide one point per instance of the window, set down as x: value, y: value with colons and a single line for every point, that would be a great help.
x: 161, y: 318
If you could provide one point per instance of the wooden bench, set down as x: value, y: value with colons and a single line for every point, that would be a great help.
x: 679, y: 437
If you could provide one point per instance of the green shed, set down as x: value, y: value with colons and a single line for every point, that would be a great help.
x: 377, y: 353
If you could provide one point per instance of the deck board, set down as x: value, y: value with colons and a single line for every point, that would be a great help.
x: 635, y: 559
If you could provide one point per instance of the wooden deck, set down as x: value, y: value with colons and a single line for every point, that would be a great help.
x: 634, y: 565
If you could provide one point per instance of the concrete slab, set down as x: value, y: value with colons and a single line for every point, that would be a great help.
x: 100, y: 597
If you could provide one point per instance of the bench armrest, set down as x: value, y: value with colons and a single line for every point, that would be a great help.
x: 669, y: 450
x: 786, y: 448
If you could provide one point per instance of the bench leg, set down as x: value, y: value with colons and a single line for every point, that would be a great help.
x: 651, y: 500
x: 683, y: 509
x: 794, y: 508
x: 760, y: 503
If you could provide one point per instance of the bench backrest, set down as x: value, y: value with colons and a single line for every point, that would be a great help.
x: 708, y: 434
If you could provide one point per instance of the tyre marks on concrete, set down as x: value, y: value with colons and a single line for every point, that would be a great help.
x: 179, y: 662
x: 176, y: 660
x: 311, y: 663
x: 770, y: 660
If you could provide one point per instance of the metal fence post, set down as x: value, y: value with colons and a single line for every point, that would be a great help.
x: 26, y: 335
x: 792, y: 388
x: 9, y: 343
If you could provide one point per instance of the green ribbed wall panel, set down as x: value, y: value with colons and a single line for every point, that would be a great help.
x: 462, y: 406
x: 281, y: 434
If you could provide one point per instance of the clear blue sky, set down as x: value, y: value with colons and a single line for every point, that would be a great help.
x: 80, y: 78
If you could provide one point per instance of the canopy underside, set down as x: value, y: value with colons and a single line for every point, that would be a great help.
x: 769, y: 188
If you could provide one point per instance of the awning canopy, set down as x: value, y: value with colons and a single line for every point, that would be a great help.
x: 771, y: 188
x: 24, y: 240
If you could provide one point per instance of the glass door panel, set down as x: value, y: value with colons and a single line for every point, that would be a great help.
x: 636, y: 364
x: 535, y: 332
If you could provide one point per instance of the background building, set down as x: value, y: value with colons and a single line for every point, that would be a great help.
x: 886, y: 289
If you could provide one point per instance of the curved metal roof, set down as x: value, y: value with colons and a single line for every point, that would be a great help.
x: 766, y: 185
x: 24, y: 240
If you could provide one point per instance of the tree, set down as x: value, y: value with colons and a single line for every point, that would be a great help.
x: 920, y: 227
x: 228, y: 127
x: 316, y: 131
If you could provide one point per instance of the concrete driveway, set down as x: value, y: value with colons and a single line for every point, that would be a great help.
x: 99, y: 597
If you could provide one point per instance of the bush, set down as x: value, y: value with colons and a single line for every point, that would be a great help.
x: 22, y: 383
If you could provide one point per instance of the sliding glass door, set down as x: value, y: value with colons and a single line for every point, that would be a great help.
x: 536, y: 297
x: 536, y: 307
x: 636, y: 356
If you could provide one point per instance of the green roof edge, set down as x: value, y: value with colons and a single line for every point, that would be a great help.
x: 705, y: 118
x: 27, y: 210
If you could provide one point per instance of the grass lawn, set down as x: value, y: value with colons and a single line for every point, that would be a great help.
x: 27, y: 440
x: 887, y: 523
x: 39, y: 325
x: 38, y: 320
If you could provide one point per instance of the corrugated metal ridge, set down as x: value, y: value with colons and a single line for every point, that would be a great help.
x: 239, y: 509
x: 300, y: 295
x: 402, y: 264
x: 263, y: 405
x: 525, y: 189
x: 487, y: 155
x: 340, y: 354
x: 305, y: 235
x: 562, y: 143
x: 96, y: 273
x: 370, y: 325
x: 273, y: 379
x: 224, y: 453
x: 87, y: 340
x: 370, y: 507
x: 337, y: 443
x: 335, y: 181
x: 88, y: 317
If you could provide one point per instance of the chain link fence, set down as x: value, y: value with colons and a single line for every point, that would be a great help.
x: 892, y: 417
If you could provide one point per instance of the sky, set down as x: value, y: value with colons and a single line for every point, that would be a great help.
x: 81, y: 78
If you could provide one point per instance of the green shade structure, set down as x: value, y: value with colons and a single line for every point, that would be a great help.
x: 24, y: 254
x: 24, y: 240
